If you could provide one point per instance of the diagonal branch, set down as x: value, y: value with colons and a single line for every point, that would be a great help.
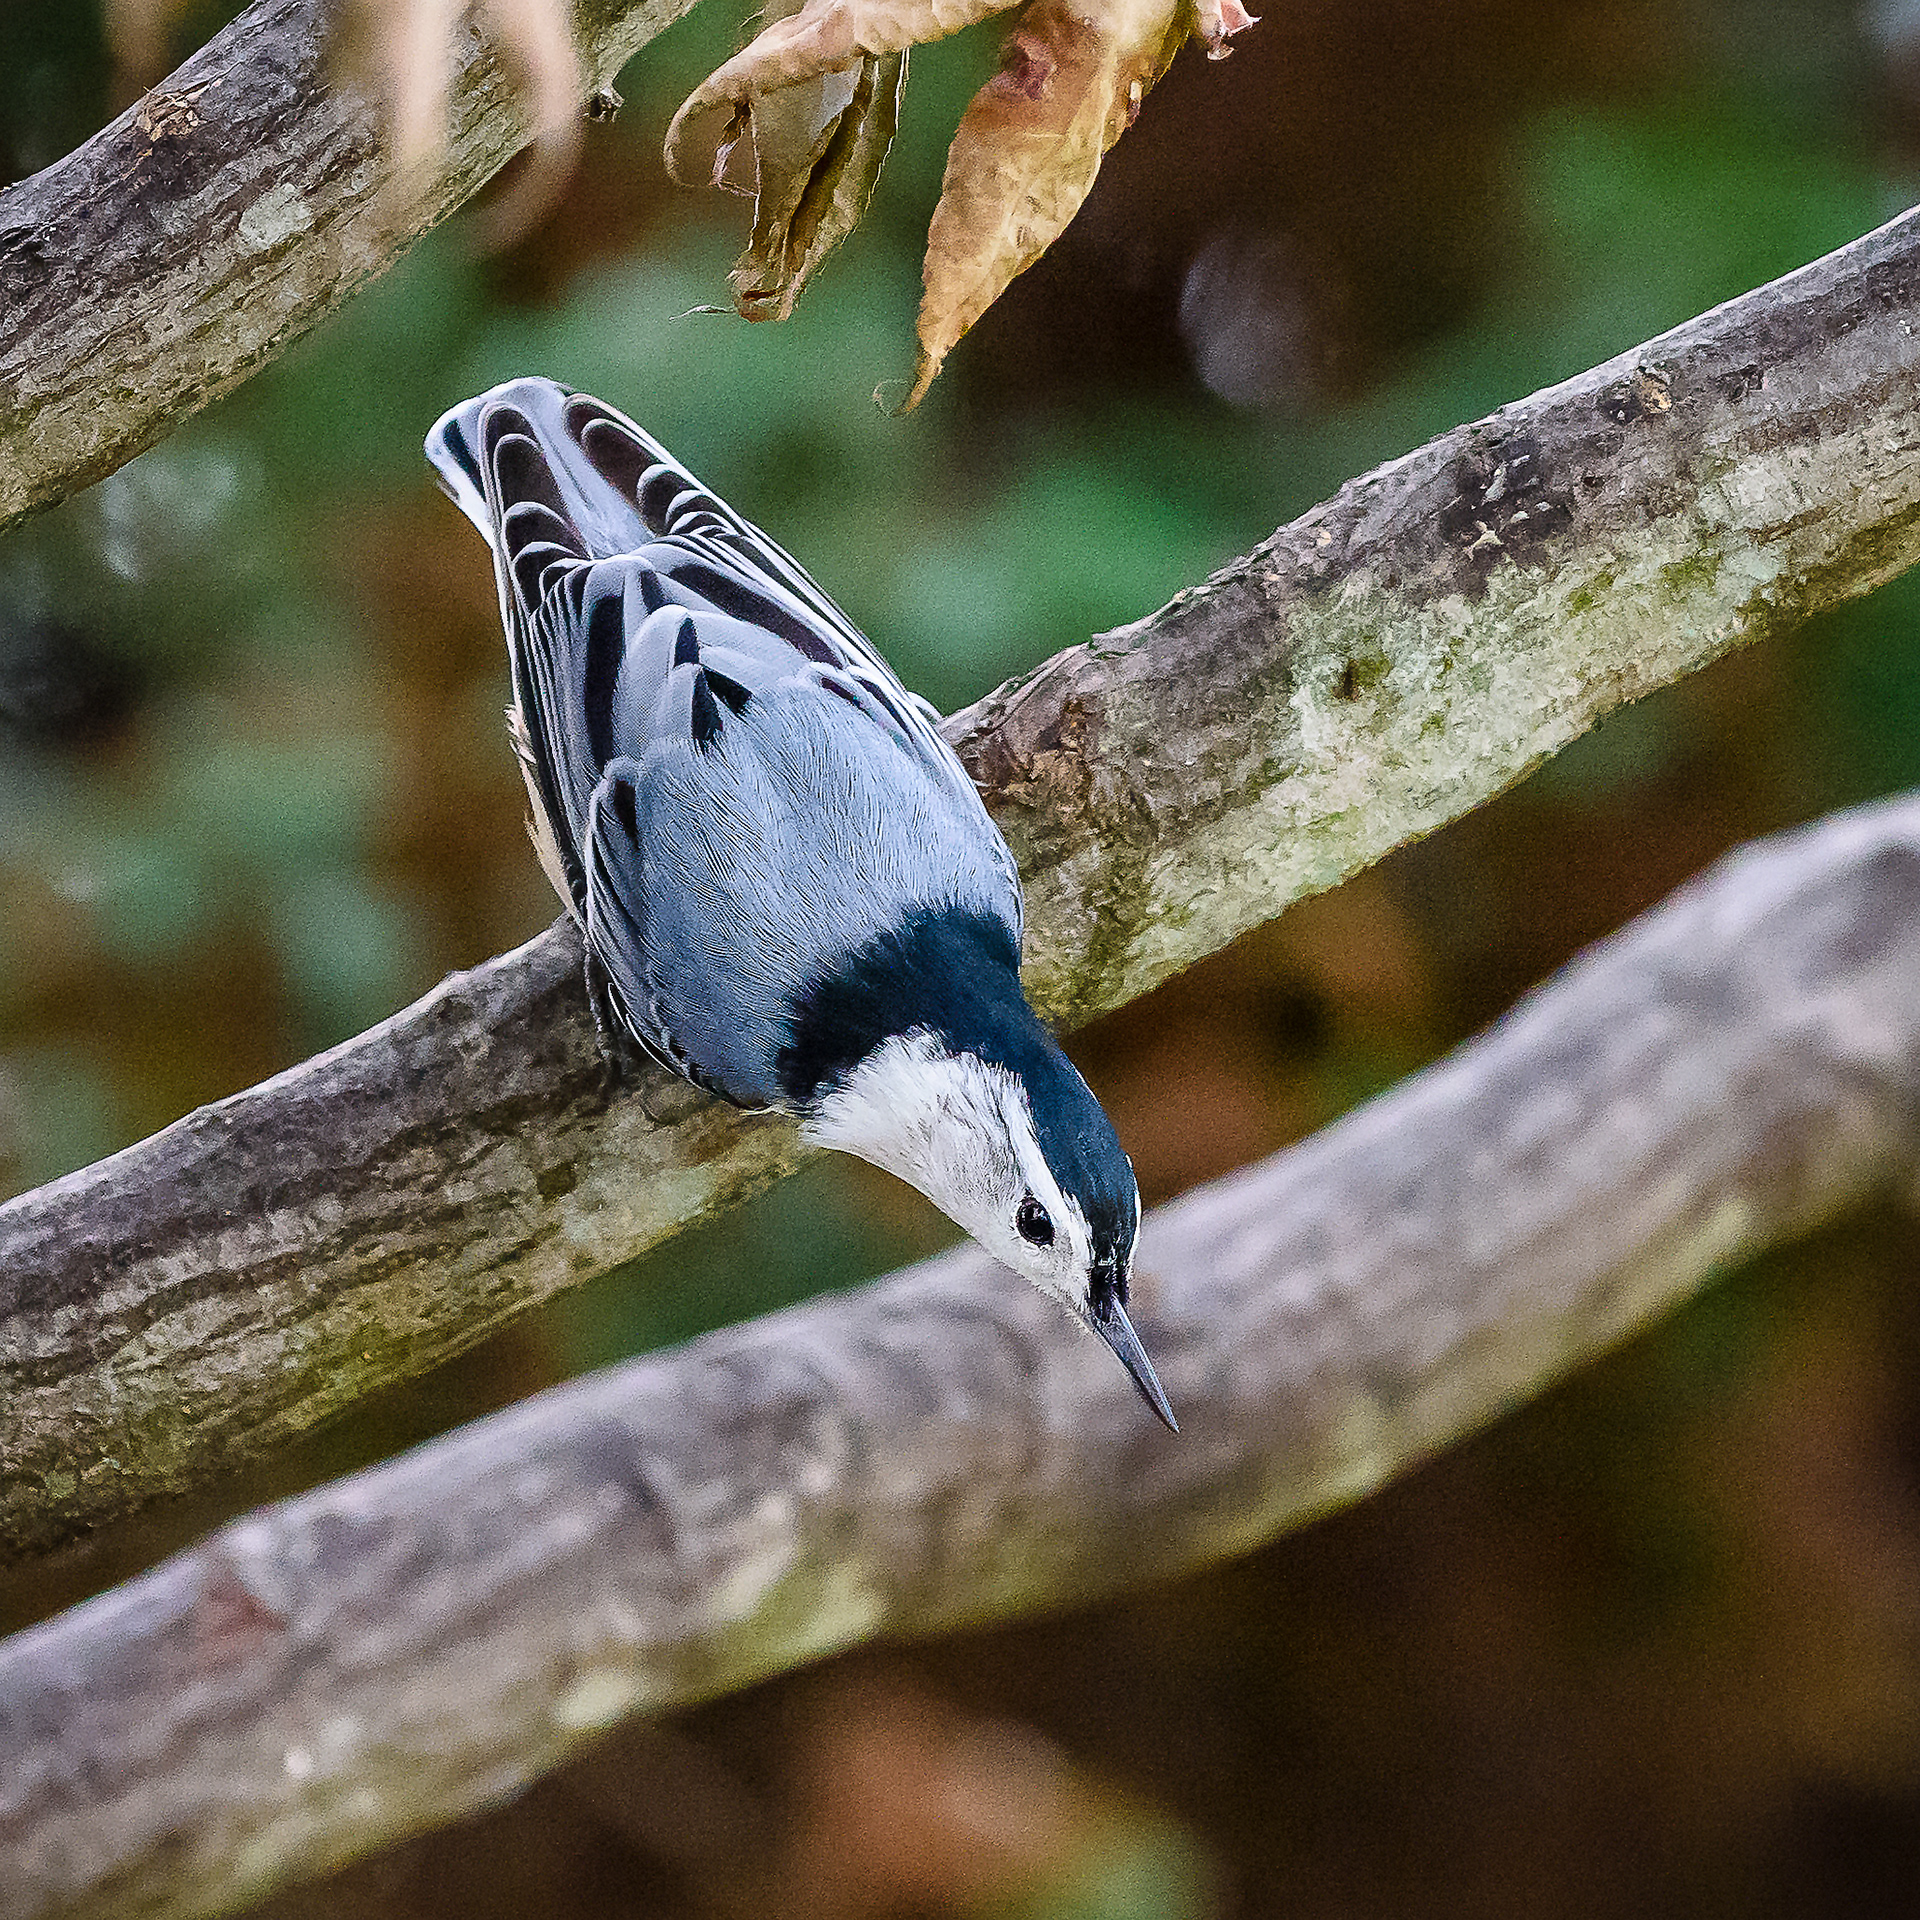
x: 405, y: 1644
x: 1390, y: 660
x: 216, y: 221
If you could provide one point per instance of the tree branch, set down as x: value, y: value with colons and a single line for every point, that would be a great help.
x: 215, y: 222
x: 400, y: 1646
x: 1402, y: 652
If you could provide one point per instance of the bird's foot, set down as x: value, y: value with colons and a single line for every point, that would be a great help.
x: 621, y: 1056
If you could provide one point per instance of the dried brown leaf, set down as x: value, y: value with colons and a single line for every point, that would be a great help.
x: 818, y: 150
x: 823, y: 36
x: 1028, y: 149
x: 1026, y: 153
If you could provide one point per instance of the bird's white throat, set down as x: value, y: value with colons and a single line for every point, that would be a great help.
x: 961, y: 1130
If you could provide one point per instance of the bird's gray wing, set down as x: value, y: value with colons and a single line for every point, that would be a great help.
x: 710, y: 560
x: 596, y: 529
x: 620, y: 938
x: 641, y: 614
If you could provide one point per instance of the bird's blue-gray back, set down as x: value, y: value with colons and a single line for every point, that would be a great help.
x: 741, y: 791
x: 792, y: 842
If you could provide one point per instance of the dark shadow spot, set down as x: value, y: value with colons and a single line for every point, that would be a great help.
x: 623, y: 810
x: 706, y: 713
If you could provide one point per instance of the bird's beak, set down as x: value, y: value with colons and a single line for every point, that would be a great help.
x: 1113, y: 1326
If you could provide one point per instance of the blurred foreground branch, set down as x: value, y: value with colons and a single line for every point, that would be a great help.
x: 220, y: 218
x: 1385, y: 663
x: 402, y: 1645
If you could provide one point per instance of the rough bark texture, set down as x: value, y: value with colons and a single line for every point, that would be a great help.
x: 1385, y: 663
x: 217, y: 220
x: 1445, y: 622
x: 940, y: 1448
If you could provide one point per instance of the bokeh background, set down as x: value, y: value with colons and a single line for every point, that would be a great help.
x: 1651, y: 1645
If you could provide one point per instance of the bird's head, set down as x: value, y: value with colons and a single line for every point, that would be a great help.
x: 979, y: 1109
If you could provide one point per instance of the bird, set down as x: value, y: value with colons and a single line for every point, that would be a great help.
x: 787, y: 887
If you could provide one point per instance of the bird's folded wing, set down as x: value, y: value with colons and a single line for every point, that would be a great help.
x: 614, y: 914
x: 711, y: 559
x: 598, y: 630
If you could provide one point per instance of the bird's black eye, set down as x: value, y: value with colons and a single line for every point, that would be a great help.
x: 1035, y: 1226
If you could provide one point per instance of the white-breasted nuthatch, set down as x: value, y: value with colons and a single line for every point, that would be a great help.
x: 788, y: 889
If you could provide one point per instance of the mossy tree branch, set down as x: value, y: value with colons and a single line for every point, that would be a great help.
x: 217, y: 220
x: 1390, y: 660
x: 412, y: 1641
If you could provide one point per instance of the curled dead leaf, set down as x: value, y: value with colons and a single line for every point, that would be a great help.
x: 809, y: 151
x: 814, y: 176
x: 814, y: 100
x: 1028, y: 149
x: 821, y: 37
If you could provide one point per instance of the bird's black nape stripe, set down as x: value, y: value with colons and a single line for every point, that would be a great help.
x: 956, y: 975
x: 952, y: 972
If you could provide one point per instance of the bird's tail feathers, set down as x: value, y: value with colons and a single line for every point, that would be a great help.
x: 532, y: 443
x: 452, y: 450
x: 595, y: 458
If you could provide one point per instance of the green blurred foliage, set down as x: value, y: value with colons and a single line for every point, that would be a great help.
x: 290, y: 806
x: 254, y: 795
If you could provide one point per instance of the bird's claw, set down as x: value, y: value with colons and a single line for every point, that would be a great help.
x: 620, y: 1056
